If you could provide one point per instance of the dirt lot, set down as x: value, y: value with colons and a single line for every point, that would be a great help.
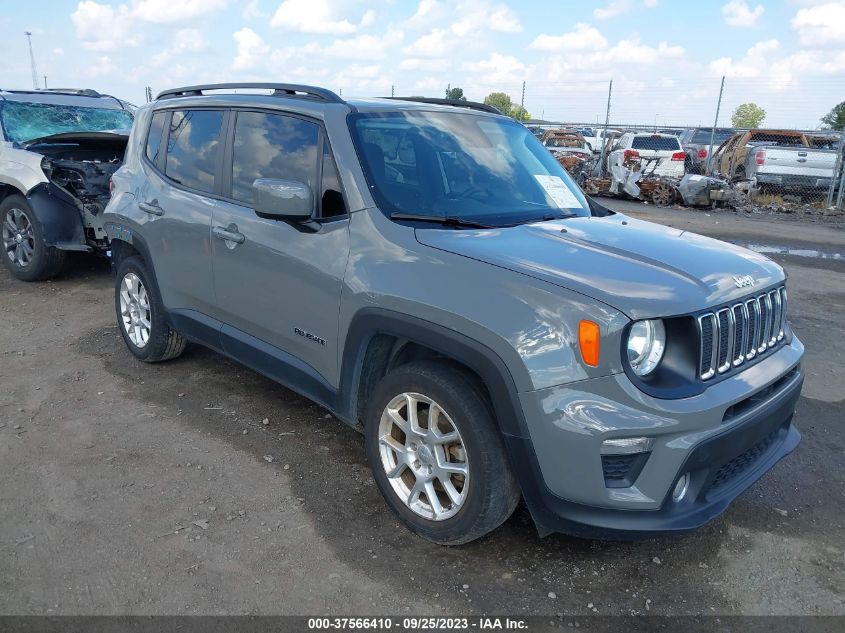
x: 139, y: 489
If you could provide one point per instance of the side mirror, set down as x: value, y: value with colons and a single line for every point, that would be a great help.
x: 283, y: 199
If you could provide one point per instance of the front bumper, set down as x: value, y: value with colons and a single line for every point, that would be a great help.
x: 725, y: 449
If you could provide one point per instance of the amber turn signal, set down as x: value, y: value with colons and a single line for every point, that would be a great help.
x: 588, y: 341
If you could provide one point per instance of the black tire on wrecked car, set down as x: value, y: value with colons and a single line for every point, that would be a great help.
x: 25, y: 254
x: 141, y: 316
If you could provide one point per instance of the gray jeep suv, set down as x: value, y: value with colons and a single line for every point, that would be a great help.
x: 432, y: 276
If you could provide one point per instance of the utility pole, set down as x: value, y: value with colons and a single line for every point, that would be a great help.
x: 522, y: 100
x: 606, y: 124
x: 45, y: 82
x: 713, y: 131
x: 32, y: 60
x: 391, y: 89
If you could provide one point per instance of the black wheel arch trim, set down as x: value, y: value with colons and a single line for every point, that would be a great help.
x: 58, y: 216
x: 488, y: 365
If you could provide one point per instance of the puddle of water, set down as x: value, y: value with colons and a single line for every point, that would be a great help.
x: 784, y: 250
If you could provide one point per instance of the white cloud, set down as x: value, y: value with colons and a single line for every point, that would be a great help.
x: 584, y: 37
x: 738, y: 13
x: 311, y: 16
x: 427, y: 13
x: 614, y: 8
x: 368, y: 19
x: 252, y: 11
x: 821, y: 25
x: 436, y: 43
x: 503, y: 20
x: 497, y: 69
x: 362, y: 47
x: 754, y: 64
x: 185, y: 41
x: 175, y: 10
x: 102, y: 27
x: 425, y: 65
x: 649, y: 4
x: 251, y: 49
x: 102, y: 66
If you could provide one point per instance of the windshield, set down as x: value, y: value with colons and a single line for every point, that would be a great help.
x: 26, y: 121
x: 656, y: 143
x: 564, y: 141
x: 702, y: 137
x: 465, y: 166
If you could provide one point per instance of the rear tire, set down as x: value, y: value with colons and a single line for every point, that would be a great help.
x: 465, y: 439
x: 25, y: 254
x: 141, y: 316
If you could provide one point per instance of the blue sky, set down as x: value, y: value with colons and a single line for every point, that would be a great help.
x: 666, y: 57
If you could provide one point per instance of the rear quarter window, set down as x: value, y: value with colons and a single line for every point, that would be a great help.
x: 154, y: 137
x: 656, y: 143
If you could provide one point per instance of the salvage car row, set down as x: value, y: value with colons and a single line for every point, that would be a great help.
x: 652, y: 164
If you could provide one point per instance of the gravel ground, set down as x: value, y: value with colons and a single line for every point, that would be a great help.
x: 137, y: 489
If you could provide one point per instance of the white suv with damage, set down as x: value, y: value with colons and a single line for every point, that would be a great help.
x: 58, y: 151
x: 649, y: 154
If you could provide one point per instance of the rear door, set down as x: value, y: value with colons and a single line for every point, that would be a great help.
x: 278, y: 286
x: 181, y: 163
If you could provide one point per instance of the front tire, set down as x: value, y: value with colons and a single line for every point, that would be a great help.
x: 437, y: 454
x: 25, y: 254
x: 141, y: 316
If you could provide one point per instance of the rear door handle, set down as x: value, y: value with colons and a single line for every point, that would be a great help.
x: 152, y: 207
x: 229, y: 234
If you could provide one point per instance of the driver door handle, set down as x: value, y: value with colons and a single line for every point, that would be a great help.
x: 229, y: 234
x: 152, y: 207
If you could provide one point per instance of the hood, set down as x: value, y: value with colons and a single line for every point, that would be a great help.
x: 640, y: 268
x: 118, y: 136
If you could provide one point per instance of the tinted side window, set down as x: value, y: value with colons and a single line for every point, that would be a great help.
x: 273, y: 146
x: 193, y: 147
x: 331, y: 198
x: 154, y: 136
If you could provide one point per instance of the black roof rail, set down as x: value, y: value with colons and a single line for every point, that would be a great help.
x: 279, y: 90
x: 458, y: 103
x: 82, y: 92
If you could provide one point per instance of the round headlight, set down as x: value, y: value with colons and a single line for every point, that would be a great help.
x: 646, y: 343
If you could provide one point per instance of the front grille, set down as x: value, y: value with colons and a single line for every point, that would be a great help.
x: 735, y: 334
x: 738, y: 465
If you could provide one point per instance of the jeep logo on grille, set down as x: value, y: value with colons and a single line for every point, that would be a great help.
x: 743, y: 281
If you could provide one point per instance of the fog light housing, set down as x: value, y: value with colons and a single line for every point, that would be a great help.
x: 681, y: 488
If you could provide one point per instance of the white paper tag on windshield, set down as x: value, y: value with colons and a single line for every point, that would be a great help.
x: 560, y: 194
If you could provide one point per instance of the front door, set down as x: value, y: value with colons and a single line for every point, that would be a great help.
x: 276, y: 281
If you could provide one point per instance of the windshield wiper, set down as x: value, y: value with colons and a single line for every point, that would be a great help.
x: 542, y: 218
x: 447, y: 220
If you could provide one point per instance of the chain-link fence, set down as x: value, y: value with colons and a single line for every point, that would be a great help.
x: 701, y: 141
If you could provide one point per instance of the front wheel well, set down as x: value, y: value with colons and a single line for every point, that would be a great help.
x: 121, y: 250
x: 7, y: 190
x: 386, y: 352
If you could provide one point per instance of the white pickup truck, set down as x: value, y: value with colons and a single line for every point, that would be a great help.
x: 779, y: 160
x: 790, y: 168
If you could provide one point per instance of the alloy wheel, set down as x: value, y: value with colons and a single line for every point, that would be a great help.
x: 423, y: 456
x: 18, y: 237
x: 135, y: 310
